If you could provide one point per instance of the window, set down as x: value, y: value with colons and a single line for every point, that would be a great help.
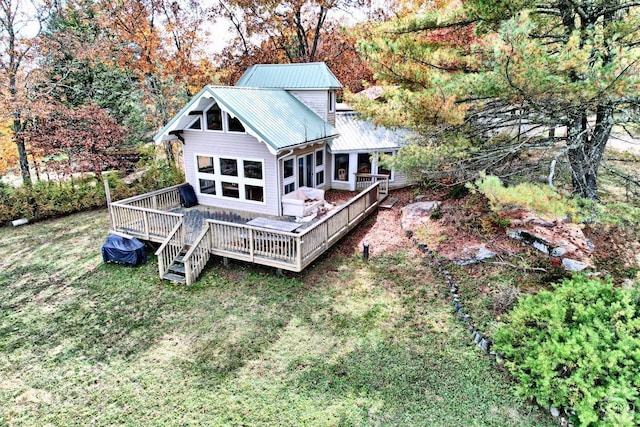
x: 207, y: 186
x: 319, y: 167
x: 288, y: 174
x: 288, y: 188
x: 221, y: 177
x: 253, y: 192
x: 229, y: 167
x: 383, y: 170
x: 197, y: 124
x: 332, y: 101
x: 341, y: 167
x: 205, y: 164
x: 364, y: 163
x: 214, y: 118
x: 234, y: 124
x: 252, y: 169
x: 288, y: 168
x: 231, y: 189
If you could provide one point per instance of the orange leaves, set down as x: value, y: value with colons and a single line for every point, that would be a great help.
x: 8, y: 150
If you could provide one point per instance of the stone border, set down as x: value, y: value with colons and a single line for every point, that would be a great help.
x: 481, y: 341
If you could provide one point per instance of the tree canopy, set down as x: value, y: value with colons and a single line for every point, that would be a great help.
x: 517, y: 84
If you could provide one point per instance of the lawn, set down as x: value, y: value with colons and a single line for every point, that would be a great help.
x: 344, y: 343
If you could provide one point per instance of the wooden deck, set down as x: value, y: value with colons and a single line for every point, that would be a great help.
x: 189, y: 236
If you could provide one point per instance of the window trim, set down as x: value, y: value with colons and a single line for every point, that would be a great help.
x: 239, y: 179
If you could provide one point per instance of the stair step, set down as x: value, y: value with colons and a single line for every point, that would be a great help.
x: 174, y: 277
x: 177, y: 268
x: 179, y: 258
x: 389, y: 203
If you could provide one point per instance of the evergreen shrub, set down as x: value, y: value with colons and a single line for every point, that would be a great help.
x: 541, y: 199
x: 577, y: 346
x: 48, y: 199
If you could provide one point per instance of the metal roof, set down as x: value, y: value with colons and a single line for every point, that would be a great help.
x: 364, y: 136
x: 273, y: 116
x: 310, y: 75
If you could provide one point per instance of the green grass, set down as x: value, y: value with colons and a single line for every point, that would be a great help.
x: 344, y: 344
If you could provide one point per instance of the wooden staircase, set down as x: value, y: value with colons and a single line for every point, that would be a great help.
x: 176, y: 271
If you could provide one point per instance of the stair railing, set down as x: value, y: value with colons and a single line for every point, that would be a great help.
x: 171, y: 247
x: 197, y: 257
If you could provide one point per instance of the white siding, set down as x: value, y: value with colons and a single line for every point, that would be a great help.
x: 316, y: 100
x: 236, y: 146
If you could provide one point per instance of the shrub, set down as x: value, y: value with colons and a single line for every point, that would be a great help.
x: 539, y: 198
x: 578, y: 346
x: 47, y: 199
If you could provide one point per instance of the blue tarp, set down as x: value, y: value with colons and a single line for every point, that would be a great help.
x: 121, y: 250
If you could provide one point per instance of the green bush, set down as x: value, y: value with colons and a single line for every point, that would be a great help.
x: 578, y: 346
x: 47, y: 199
x: 542, y: 199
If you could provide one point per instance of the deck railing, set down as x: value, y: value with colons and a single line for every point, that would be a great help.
x: 364, y: 180
x: 143, y: 216
x: 171, y: 248
x: 196, y: 258
x: 287, y: 250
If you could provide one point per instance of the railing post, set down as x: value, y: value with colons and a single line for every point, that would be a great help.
x: 299, y: 253
x: 145, y: 217
x: 161, y: 265
x: 251, y: 248
x: 187, y: 272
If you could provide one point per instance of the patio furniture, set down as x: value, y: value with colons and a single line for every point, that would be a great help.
x: 302, y: 202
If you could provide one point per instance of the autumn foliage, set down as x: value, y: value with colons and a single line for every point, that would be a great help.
x: 67, y: 141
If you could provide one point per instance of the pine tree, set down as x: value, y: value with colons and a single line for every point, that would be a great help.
x: 486, y: 82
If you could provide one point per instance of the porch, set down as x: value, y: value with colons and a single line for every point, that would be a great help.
x: 189, y: 237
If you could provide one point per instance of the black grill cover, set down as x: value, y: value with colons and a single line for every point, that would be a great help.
x: 187, y: 196
x: 121, y: 250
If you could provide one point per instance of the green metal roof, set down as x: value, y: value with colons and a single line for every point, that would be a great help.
x: 311, y: 75
x: 273, y: 116
x: 359, y: 135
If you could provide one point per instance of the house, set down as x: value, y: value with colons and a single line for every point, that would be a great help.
x: 257, y: 155
x: 277, y: 130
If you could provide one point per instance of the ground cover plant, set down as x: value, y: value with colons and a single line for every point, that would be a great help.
x: 344, y: 343
x: 577, y: 347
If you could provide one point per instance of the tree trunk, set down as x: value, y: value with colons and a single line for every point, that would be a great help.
x: 22, y: 150
x: 587, y: 147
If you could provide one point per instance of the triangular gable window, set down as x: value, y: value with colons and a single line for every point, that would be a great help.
x: 197, y: 124
x: 235, y: 125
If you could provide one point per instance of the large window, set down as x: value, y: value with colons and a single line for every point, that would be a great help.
x: 222, y: 177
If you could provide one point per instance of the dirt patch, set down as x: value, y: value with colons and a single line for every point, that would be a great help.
x: 382, y: 230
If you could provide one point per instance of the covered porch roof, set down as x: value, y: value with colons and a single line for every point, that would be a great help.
x: 358, y: 135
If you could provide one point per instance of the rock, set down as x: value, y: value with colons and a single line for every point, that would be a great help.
x: 558, y: 252
x: 555, y: 412
x: 573, y: 265
x: 484, y: 345
x: 476, y: 254
x: 416, y: 214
